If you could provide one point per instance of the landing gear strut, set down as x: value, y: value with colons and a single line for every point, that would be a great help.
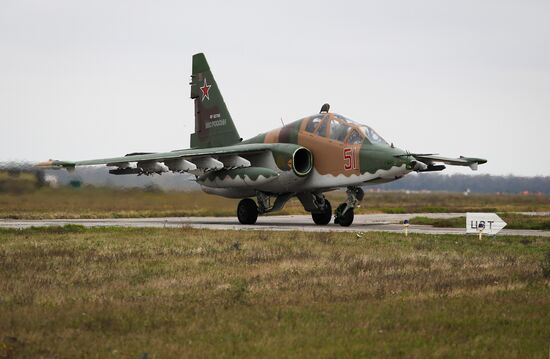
x: 248, y: 211
x: 344, y: 213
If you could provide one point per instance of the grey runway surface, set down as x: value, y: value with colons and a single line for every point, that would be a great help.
x: 362, y: 223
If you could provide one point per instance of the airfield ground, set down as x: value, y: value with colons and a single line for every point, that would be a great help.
x: 181, y: 292
x: 532, y: 224
x: 89, y: 202
x: 73, y: 291
x: 379, y: 211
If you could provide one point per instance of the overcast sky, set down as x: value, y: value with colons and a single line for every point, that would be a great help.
x: 92, y: 79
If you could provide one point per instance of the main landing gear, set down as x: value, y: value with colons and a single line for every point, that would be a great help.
x: 248, y: 211
x: 324, y: 215
x: 316, y: 203
x: 344, y: 212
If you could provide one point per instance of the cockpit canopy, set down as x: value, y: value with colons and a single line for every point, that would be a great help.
x: 342, y: 129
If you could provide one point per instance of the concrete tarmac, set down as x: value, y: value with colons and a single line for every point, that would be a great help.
x: 362, y: 223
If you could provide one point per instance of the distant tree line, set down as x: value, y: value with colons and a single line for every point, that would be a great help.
x: 474, y: 183
x: 100, y: 177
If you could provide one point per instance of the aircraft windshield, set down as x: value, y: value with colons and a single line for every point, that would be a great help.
x: 371, y: 134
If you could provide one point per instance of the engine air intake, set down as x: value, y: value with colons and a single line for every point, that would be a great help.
x: 302, y: 161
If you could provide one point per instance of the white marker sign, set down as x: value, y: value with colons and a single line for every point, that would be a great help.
x: 490, y: 222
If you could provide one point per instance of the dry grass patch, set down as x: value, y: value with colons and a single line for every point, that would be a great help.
x: 90, y: 202
x: 106, y: 292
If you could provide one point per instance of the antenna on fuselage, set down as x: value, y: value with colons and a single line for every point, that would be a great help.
x: 282, y: 122
x: 325, y: 108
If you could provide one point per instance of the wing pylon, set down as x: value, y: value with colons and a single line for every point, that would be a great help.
x: 427, y: 162
x: 195, y: 161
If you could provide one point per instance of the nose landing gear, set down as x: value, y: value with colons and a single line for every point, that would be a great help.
x: 344, y: 213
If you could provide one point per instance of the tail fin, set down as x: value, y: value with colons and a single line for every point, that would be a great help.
x: 213, y: 124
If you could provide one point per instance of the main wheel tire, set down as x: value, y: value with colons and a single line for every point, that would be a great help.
x: 247, y: 211
x: 323, y: 218
x: 345, y: 219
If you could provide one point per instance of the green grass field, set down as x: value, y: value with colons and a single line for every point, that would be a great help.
x: 92, y: 202
x: 75, y: 292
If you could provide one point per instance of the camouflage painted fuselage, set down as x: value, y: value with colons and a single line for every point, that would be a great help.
x: 339, y: 160
x: 305, y: 158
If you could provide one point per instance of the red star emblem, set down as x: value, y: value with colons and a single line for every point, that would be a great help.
x: 205, y: 90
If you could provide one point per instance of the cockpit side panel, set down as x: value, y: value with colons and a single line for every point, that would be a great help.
x: 330, y: 156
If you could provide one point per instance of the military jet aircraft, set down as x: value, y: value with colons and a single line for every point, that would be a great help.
x: 303, y: 159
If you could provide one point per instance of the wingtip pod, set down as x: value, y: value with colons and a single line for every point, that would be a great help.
x: 49, y: 164
x: 473, y: 162
x: 476, y: 160
x: 55, y: 165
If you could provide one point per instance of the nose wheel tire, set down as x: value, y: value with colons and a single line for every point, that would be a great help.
x: 344, y: 219
x: 323, y: 218
x: 247, y: 211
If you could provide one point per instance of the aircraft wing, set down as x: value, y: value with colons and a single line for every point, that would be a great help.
x: 196, y: 161
x: 430, y: 161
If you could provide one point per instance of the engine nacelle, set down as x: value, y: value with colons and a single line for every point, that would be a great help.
x: 302, y: 161
x: 293, y: 157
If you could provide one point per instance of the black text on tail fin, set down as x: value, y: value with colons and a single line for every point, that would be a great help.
x: 213, y: 124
